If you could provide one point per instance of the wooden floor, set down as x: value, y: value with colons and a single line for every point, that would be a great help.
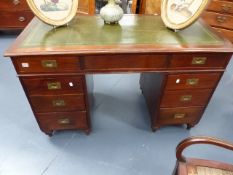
x: 121, y: 142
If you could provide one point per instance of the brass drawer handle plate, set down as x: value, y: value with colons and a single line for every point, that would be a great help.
x: 221, y: 19
x: 59, y: 103
x: 22, y: 19
x: 179, y: 116
x: 226, y: 8
x: 16, y: 2
x: 186, y: 98
x: 64, y: 121
x: 199, y: 60
x: 54, y: 85
x: 192, y: 81
x: 49, y: 63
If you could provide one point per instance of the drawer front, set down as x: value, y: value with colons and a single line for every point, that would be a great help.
x: 13, y: 5
x: 218, y: 20
x: 226, y: 33
x: 199, y: 61
x: 128, y: 62
x: 46, y: 64
x: 180, y: 115
x: 53, y: 85
x: 184, y: 98
x: 63, y: 120
x: 15, y: 19
x: 221, y: 6
x: 192, y: 81
x: 57, y: 103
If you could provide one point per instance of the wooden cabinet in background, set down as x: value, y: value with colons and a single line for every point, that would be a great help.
x: 15, y: 14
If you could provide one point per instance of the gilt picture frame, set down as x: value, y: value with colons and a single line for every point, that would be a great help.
x: 54, y: 12
x: 179, y: 14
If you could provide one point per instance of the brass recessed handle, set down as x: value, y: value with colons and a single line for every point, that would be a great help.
x: 58, y: 103
x: 186, y: 98
x: 199, y: 60
x: 221, y: 19
x: 226, y: 8
x: 179, y: 116
x: 64, y: 121
x: 192, y: 81
x: 16, y: 2
x: 54, y: 85
x: 22, y: 19
x: 49, y: 63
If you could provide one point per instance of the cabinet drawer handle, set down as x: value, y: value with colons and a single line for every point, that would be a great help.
x: 49, y: 63
x: 64, y: 121
x: 199, y: 60
x: 16, y: 2
x: 226, y: 8
x: 22, y: 19
x: 221, y: 19
x: 58, y: 103
x: 185, y: 98
x: 179, y: 116
x: 54, y: 85
x: 192, y: 81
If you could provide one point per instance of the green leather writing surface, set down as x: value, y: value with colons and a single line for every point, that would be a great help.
x: 91, y: 30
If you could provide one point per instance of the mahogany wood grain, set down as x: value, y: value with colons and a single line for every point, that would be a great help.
x: 174, y: 98
x: 62, y: 120
x: 182, y: 81
x: 14, y: 4
x: 66, y: 85
x: 214, y: 60
x: 225, y: 32
x: 64, y: 64
x: 46, y: 103
x: 221, y: 6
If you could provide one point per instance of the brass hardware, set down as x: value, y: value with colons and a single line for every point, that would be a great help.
x: 49, y: 63
x: 192, y: 81
x: 58, y: 103
x: 16, y: 2
x: 221, y: 19
x: 199, y: 60
x: 22, y: 19
x: 64, y: 121
x: 185, y: 98
x: 226, y: 8
x: 179, y: 116
x: 54, y: 85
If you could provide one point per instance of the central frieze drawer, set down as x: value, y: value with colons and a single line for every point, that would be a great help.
x: 47, y: 64
x: 192, y: 81
x: 56, y: 103
x: 183, y: 98
x: 198, y: 61
x: 63, y: 120
x: 134, y: 61
x: 53, y: 85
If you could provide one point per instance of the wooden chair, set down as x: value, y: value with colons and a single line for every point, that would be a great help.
x: 191, y: 166
x: 149, y: 6
x: 86, y: 7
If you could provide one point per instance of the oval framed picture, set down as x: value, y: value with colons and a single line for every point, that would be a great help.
x: 178, y: 14
x: 54, y: 12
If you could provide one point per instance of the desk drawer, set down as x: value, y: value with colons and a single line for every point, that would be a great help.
x: 46, y: 64
x: 53, y: 85
x: 199, y: 61
x: 226, y: 33
x: 180, y: 115
x: 221, y: 6
x: 184, y: 98
x: 13, y: 5
x: 218, y: 20
x: 57, y: 103
x: 105, y: 62
x: 63, y: 120
x: 192, y: 81
x: 15, y: 19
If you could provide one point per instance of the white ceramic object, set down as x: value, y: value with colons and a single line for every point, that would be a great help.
x: 111, y: 13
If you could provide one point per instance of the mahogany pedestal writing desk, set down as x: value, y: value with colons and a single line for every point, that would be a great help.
x: 179, y: 71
